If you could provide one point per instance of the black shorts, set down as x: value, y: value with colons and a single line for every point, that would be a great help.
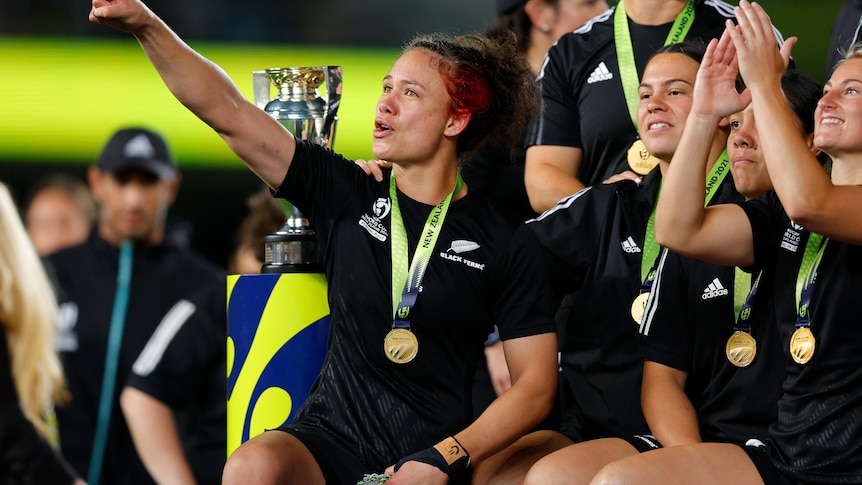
x: 643, y: 442
x: 759, y: 455
x: 338, y: 464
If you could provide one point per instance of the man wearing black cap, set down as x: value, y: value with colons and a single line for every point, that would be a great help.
x: 114, y: 290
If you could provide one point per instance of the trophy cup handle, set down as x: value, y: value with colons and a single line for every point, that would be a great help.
x: 262, y: 88
x: 333, y: 101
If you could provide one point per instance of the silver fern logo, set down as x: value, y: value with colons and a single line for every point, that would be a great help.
x: 461, y: 246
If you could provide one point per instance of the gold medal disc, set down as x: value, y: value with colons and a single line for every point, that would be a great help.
x: 741, y: 348
x: 400, y: 345
x: 639, y: 158
x: 802, y: 345
x: 638, y: 307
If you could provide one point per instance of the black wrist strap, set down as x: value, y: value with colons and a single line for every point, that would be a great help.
x: 448, y: 455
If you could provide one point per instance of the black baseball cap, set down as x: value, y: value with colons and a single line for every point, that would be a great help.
x: 137, y: 148
x: 508, y: 6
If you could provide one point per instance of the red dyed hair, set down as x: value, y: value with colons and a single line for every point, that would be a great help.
x: 487, y: 78
x: 469, y: 89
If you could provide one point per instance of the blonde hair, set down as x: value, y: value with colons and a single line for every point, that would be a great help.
x: 854, y: 52
x: 28, y: 313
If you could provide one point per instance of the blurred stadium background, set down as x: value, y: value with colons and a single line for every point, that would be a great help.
x: 69, y: 84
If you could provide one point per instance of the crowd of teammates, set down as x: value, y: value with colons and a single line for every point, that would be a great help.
x: 701, y: 340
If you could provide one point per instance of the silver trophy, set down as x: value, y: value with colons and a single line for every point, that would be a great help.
x: 299, y: 106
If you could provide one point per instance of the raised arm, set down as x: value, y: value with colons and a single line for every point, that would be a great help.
x: 722, y: 233
x: 205, y: 89
x: 551, y: 174
x: 810, y: 198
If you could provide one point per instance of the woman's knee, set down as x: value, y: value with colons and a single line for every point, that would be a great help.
x: 272, y: 457
x: 252, y: 462
x: 540, y: 474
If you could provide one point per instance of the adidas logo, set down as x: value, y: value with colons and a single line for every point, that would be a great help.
x: 713, y: 290
x: 600, y: 74
x: 630, y: 246
x: 139, y: 147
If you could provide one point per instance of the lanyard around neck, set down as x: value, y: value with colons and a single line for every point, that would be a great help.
x: 814, y: 250
x: 406, y: 281
x: 649, y: 260
x: 743, y: 309
x: 112, y: 358
x: 742, y: 289
x: 626, y: 53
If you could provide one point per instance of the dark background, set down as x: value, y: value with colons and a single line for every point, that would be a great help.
x: 327, y: 22
x: 212, y: 199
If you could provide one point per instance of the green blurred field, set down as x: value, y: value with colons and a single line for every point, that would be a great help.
x: 810, y: 21
x: 64, y: 97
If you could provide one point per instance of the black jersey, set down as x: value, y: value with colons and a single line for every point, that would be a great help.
x: 87, y: 280
x: 26, y: 458
x: 480, y: 274
x: 818, y: 435
x: 845, y: 32
x: 183, y: 365
x: 594, y: 241
x: 494, y: 173
x: 584, y: 103
x: 688, y: 319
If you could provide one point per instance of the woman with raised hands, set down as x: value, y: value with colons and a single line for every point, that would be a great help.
x: 602, y: 236
x: 807, y: 235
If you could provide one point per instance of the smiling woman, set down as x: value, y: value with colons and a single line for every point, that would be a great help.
x: 606, y: 271
x: 805, y: 236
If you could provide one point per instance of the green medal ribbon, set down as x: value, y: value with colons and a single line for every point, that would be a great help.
x: 803, y: 342
x: 741, y: 279
x: 626, y: 53
x: 741, y: 347
x: 714, y: 179
x: 741, y: 289
x: 716, y: 176
x: 814, y: 249
x: 743, y: 309
x: 651, y: 247
x: 404, y: 296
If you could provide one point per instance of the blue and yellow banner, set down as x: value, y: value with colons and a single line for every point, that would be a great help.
x: 277, y: 330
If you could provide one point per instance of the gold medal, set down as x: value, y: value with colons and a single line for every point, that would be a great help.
x: 740, y: 349
x: 638, y: 307
x: 639, y: 158
x: 400, y: 345
x: 802, y: 345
